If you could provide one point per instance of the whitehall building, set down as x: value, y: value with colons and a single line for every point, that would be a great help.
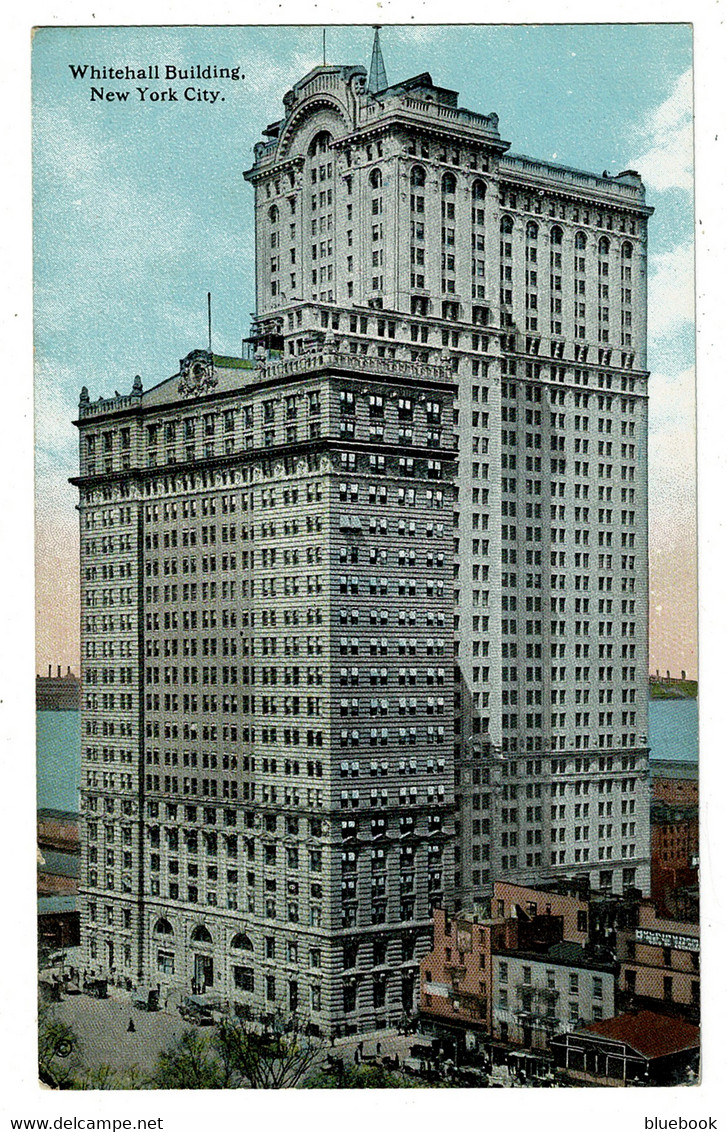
x: 364, y: 622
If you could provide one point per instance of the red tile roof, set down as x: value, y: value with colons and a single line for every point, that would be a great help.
x: 650, y: 1034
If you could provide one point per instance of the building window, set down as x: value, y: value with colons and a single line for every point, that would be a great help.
x: 165, y: 962
x: 244, y: 978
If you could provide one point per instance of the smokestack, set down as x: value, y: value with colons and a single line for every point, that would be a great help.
x: 59, y: 669
x: 50, y: 671
x: 68, y: 670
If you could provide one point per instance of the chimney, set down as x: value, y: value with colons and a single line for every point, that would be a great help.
x: 59, y: 669
x: 50, y: 671
x: 68, y: 670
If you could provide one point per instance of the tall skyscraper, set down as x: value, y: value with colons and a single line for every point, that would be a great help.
x: 402, y: 222
x: 327, y: 685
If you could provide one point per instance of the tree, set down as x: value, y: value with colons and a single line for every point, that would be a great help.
x: 58, y: 1049
x: 272, y: 1054
x: 108, y: 1077
x: 189, y: 1063
x: 340, y: 1076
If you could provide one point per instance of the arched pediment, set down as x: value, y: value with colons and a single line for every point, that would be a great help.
x: 317, y: 113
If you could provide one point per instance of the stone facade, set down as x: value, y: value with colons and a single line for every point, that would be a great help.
x: 400, y: 223
x: 327, y: 686
x: 267, y: 773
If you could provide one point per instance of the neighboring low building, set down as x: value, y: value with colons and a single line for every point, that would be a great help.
x: 683, y: 903
x: 591, y: 917
x: 573, y: 909
x: 660, y: 964
x: 57, y: 873
x: 674, y: 851
x: 641, y: 1047
x: 58, y: 854
x: 57, y: 693
x: 674, y: 781
x: 512, y: 977
x: 58, y: 830
x: 537, y: 995
x: 59, y: 924
x: 456, y: 975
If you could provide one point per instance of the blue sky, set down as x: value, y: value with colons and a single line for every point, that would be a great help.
x: 141, y: 208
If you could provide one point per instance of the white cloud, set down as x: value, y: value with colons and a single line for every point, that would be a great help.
x: 671, y: 290
x: 664, y: 143
x: 672, y: 456
x: 55, y: 407
x: 672, y: 399
x: 56, y: 445
x: 268, y: 83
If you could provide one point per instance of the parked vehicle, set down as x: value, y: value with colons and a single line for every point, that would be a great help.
x: 199, y: 1009
x: 97, y: 988
x: 146, y: 998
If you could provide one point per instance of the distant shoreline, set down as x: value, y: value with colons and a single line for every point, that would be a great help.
x: 669, y: 689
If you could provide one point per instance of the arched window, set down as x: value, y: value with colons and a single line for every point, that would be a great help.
x: 273, y: 214
x: 556, y: 234
x: 506, y: 226
x: 418, y: 176
x: 241, y: 942
x: 604, y: 246
x: 321, y: 143
x: 626, y: 250
x: 375, y: 178
x: 580, y: 241
x: 531, y: 230
x: 201, y: 935
x: 449, y: 184
x: 163, y: 927
x: 478, y: 190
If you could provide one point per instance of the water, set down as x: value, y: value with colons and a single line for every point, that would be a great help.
x: 673, y: 730
x: 58, y: 748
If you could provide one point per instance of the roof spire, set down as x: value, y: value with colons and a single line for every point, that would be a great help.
x: 377, y: 71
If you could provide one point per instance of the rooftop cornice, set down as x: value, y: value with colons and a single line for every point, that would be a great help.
x: 273, y: 168
x: 572, y: 184
x: 328, y: 361
x: 330, y: 358
x: 445, y: 121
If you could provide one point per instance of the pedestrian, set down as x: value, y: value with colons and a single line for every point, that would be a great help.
x: 378, y: 1047
x: 131, y: 1028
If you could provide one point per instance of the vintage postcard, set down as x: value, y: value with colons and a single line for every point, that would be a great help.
x: 366, y: 595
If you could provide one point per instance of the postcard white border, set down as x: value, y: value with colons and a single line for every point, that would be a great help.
x: 575, y: 1108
